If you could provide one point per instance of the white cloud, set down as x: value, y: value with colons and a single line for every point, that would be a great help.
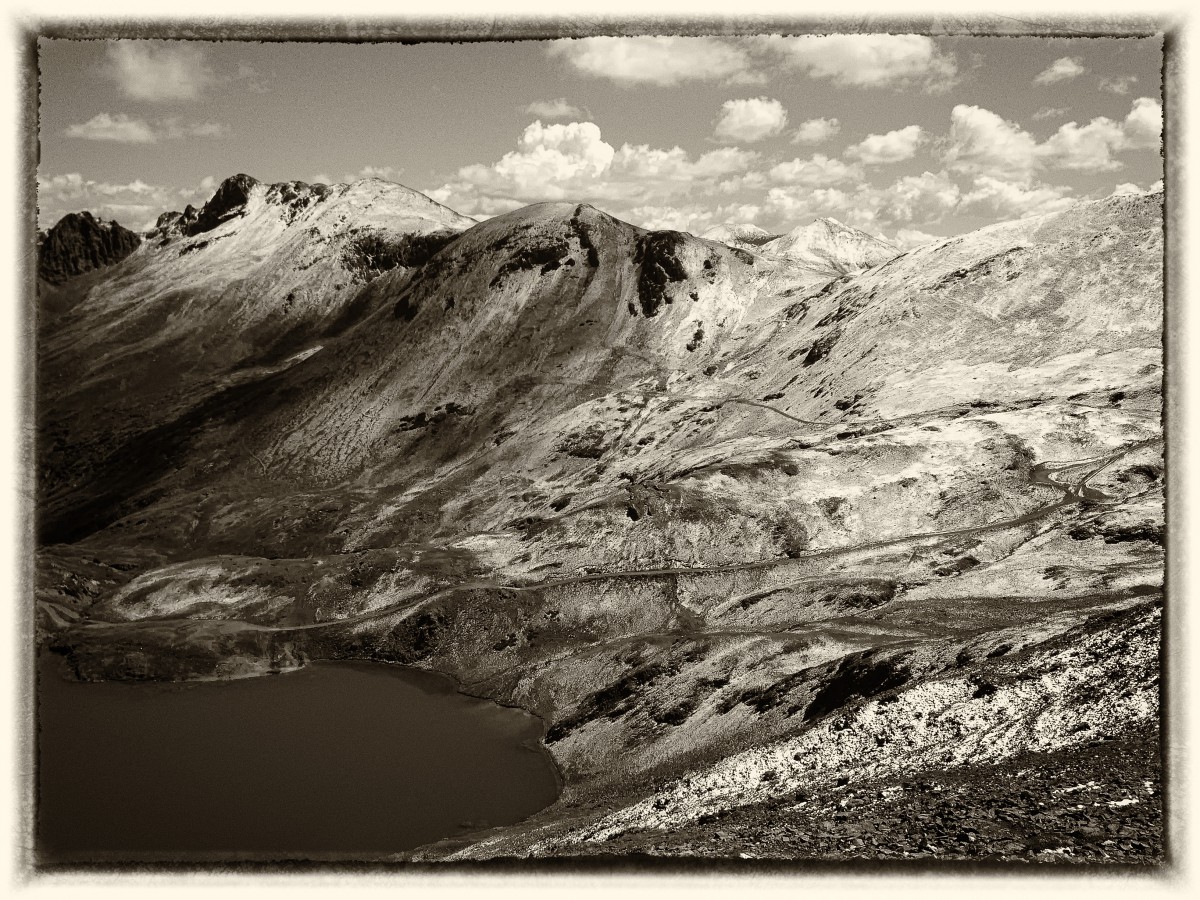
x: 992, y: 168
x: 201, y: 192
x: 1087, y: 148
x: 1049, y: 112
x: 132, y: 204
x: 119, y: 128
x: 555, y: 109
x: 747, y: 121
x: 911, y: 238
x: 819, y: 171
x: 172, y: 129
x: 159, y: 70
x: 1008, y: 199
x: 572, y: 161
x: 816, y: 131
x: 1131, y: 188
x: 868, y: 60
x: 655, y: 60
x: 922, y: 199
x: 652, y: 187
x: 124, y: 129
x: 927, y: 197
x: 1143, y: 125
x: 692, y: 217
x: 1120, y: 84
x: 794, y: 205
x: 893, y: 147
x: 248, y: 78
x: 725, y: 161
x: 386, y: 173
x: 1062, y: 69
x: 981, y: 142
x: 1090, y: 148
x: 137, y: 188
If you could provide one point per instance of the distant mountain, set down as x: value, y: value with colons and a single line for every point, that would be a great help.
x: 748, y: 237
x: 827, y: 243
x: 80, y: 243
x: 824, y: 246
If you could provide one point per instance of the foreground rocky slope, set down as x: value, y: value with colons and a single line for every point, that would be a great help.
x: 734, y: 527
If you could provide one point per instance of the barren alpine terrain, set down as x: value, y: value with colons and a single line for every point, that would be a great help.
x: 801, y: 546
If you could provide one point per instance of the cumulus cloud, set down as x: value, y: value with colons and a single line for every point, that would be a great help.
x: 893, y: 147
x: 1121, y: 84
x: 791, y: 205
x: 911, y: 238
x: 982, y: 143
x: 817, y: 171
x: 123, y: 129
x: 201, y: 192
x: 1091, y: 147
x: 747, y: 121
x: 119, y: 128
x: 1061, y: 69
x: 1049, y: 112
x: 923, y: 199
x: 387, y: 173
x: 991, y: 168
x: 816, y: 131
x: 867, y: 60
x: 159, y: 70
x: 1143, y: 126
x: 928, y: 197
x: 555, y: 109
x: 134, y: 204
x: 572, y: 161
x: 1008, y: 199
x: 1087, y: 148
x: 656, y: 60
x: 250, y: 79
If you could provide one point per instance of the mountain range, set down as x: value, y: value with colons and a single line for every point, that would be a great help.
x: 758, y: 524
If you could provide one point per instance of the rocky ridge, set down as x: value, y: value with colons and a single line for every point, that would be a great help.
x: 80, y: 243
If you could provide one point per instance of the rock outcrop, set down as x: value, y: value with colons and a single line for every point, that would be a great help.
x: 80, y: 243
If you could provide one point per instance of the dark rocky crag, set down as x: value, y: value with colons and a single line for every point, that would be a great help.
x: 80, y: 243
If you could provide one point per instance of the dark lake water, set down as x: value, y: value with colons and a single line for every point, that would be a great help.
x: 334, y: 761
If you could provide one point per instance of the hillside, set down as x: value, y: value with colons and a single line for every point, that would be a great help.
x: 735, y: 524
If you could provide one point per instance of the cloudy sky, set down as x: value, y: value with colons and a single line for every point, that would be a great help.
x: 902, y: 135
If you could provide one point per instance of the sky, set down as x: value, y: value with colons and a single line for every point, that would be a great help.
x: 905, y: 136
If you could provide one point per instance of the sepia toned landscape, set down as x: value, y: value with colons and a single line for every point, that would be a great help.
x: 768, y: 523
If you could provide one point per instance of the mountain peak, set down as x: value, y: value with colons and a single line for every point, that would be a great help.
x: 736, y: 234
x: 828, y: 243
x: 80, y: 242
